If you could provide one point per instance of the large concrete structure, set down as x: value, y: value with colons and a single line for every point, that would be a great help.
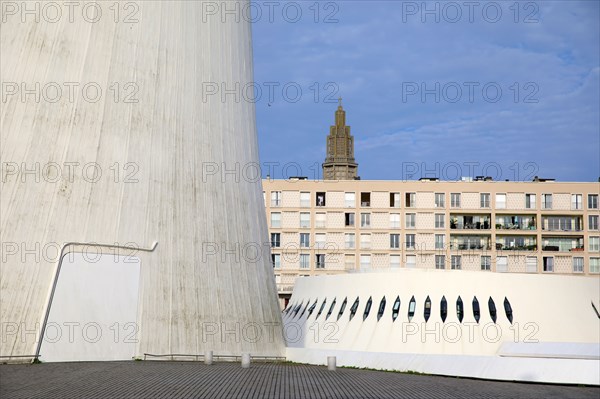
x: 107, y: 142
x: 503, y: 326
x: 333, y: 227
x: 340, y: 163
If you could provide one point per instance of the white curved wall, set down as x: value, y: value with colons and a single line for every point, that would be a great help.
x: 554, y: 325
x: 167, y: 137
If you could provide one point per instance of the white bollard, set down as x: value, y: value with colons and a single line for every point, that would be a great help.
x: 331, y: 363
x: 208, y: 358
x: 245, y: 360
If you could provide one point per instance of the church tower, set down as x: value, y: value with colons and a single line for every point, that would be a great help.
x: 340, y: 164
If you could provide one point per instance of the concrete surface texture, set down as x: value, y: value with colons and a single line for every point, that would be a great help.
x: 136, y: 156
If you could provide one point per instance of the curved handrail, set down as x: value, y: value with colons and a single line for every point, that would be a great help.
x: 57, y: 272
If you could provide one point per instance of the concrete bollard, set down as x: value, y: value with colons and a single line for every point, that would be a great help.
x: 245, y: 360
x: 208, y: 358
x: 331, y: 363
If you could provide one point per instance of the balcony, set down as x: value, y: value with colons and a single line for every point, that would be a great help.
x: 516, y: 243
x: 562, y: 244
x: 515, y: 222
x: 470, y: 222
x: 464, y: 243
x: 562, y: 223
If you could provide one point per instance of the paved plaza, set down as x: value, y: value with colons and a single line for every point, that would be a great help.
x: 161, y: 379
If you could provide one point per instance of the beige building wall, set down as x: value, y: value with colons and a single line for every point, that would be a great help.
x: 381, y: 254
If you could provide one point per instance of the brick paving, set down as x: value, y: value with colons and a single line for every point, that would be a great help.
x: 161, y: 379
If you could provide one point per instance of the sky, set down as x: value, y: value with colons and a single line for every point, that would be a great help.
x: 432, y: 89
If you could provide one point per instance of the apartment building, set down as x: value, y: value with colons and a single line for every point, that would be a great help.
x: 342, y: 226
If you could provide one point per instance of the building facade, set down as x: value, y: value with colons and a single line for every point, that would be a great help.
x: 332, y: 227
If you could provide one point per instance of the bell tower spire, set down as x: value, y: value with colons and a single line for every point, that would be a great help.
x: 339, y: 163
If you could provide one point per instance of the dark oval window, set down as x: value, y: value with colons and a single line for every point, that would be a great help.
x: 508, y: 310
x: 297, y: 309
x: 312, y: 308
x: 492, y: 308
x: 304, y: 310
x: 443, y: 309
x: 476, y: 312
x: 427, y: 309
x: 342, y: 308
x: 396, y: 309
x: 321, y: 309
x: 381, y: 309
x: 354, y: 308
x: 412, y: 306
x: 460, y: 310
x: 330, y: 309
x: 367, y: 308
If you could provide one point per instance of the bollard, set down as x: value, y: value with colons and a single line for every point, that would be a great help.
x: 331, y: 363
x: 245, y: 360
x: 208, y: 358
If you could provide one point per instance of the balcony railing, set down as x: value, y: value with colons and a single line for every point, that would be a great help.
x: 470, y: 226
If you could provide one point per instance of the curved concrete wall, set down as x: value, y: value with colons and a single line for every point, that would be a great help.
x: 554, y: 325
x: 162, y: 148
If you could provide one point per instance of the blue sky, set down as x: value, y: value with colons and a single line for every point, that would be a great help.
x: 543, y: 56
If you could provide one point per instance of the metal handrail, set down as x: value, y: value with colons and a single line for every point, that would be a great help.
x: 196, y: 356
x: 57, y: 272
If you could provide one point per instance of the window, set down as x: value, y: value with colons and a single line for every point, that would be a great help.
x: 440, y: 200
x: 592, y: 201
x: 320, y: 240
x: 350, y: 200
x: 576, y: 201
x: 501, y: 264
x: 275, y: 219
x: 594, y: 265
x: 594, y: 244
x: 367, y: 309
x: 320, y: 220
x: 304, y: 240
x: 411, y: 261
x: 427, y: 309
x: 265, y: 198
x: 455, y: 200
x: 304, y: 261
x: 365, y: 261
x: 476, y: 312
x: 440, y: 241
x: 440, y: 221
x: 394, y: 241
x: 410, y: 220
x: 381, y: 308
x: 365, y: 199
x: 577, y: 265
x: 394, y: 200
x: 440, y: 261
x: 410, y: 241
x: 484, y: 200
x: 548, y: 263
x: 365, y: 241
x: 394, y: 220
x: 330, y: 311
x: 305, y: 199
x: 275, y: 240
x: 276, y: 260
x: 508, y: 310
x: 486, y: 263
x: 531, y: 264
x: 394, y: 260
x: 546, y: 201
x: 349, y: 219
x: 500, y: 201
x: 320, y: 261
x: 530, y: 201
x: 349, y: 262
x: 396, y: 309
x: 320, y: 199
x: 304, y: 219
x: 593, y: 222
x: 275, y: 198
x: 443, y: 309
x: 342, y: 308
x: 350, y: 240
x: 410, y: 200
x: 455, y: 262
x: 412, y: 305
x: 354, y: 308
x: 365, y: 220
x: 460, y: 309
